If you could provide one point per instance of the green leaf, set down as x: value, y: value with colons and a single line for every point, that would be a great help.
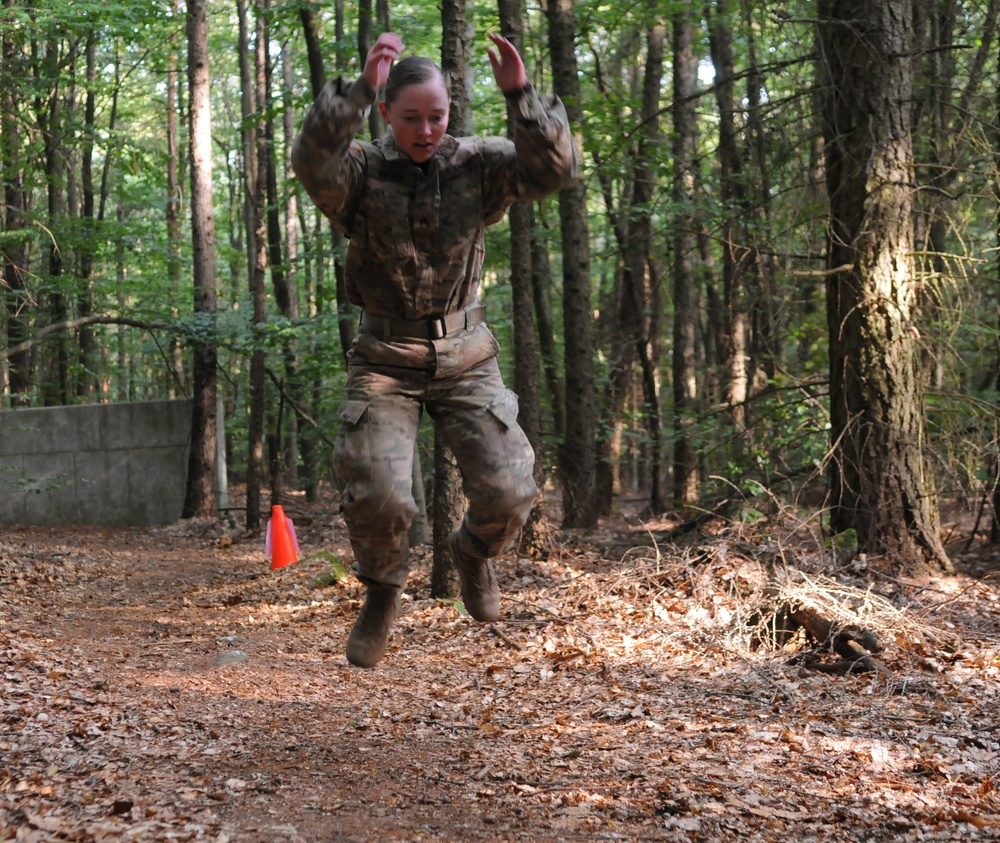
x: 336, y: 572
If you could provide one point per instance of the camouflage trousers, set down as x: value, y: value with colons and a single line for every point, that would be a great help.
x: 477, y: 418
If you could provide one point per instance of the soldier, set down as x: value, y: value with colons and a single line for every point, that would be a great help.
x: 414, y: 206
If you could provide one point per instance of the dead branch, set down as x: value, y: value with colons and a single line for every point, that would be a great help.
x: 71, y: 324
x: 852, y: 642
x: 499, y: 633
x: 693, y: 524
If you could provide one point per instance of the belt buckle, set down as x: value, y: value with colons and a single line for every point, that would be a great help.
x: 437, y: 328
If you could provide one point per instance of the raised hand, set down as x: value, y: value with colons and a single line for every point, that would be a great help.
x: 380, y: 58
x: 508, y: 69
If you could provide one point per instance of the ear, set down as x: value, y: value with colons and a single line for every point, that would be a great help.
x: 384, y: 111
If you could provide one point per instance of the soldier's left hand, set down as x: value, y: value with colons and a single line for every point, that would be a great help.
x: 508, y: 69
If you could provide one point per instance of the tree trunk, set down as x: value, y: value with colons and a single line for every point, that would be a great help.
x: 526, y: 357
x: 55, y: 387
x: 737, y: 258
x: 366, y: 37
x: 346, y: 315
x: 448, y: 503
x: 995, y: 524
x: 86, y: 385
x: 200, y: 497
x: 173, y: 217
x: 881, y: 484
x: 577, y: 458
x: 249, y: 136
x: 258, y: 272
x: 317, y: 255
x: 644, y: 279
x: 314, y: 50
x: 447, y: 506
x: 456, y: 33
x: 301, y: 443
x: 686, y: 479
x: 285, y: 436
x: 541, y: 284
x: 14, y: 268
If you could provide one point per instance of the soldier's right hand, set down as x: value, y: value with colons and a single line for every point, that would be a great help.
x: 380, y: 58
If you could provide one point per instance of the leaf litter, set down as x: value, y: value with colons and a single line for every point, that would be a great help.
x: 162, y: 684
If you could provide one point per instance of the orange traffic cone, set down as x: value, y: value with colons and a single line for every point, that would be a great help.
x: 280, y: 543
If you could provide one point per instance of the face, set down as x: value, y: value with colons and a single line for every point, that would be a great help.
x: 419, y: 118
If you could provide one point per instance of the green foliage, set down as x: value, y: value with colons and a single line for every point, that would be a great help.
x: 335, y: 573
x: 778, y: 214
x: 17, y: 239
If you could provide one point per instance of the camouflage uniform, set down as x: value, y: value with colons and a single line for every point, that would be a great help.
x: 414, y: 263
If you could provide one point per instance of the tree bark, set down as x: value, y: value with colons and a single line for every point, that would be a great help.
x: 448, y: 502
x: 173, y: 208
x: 737, y: 258
x: 86, y: 385
x: 881, y: 484
x: 643, y: 276
x: 317, y: 255
x: 995, y: 524
x: 285, y: 435
x: 258, y: 294
x: 200, y: 496
x: 526, y: 356
x: 15, y: 266
x: 577, y: 456
x: 456, y: 34
x: 541, y: 284
x: 301, y: 444
x: 366, y: 37
x: 49, y: 110
x: 345, y: 311
x: 686, y: 479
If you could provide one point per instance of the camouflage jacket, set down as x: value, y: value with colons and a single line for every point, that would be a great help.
x: 416, y: 232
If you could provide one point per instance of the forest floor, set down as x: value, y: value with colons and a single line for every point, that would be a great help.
x: 164, y: 684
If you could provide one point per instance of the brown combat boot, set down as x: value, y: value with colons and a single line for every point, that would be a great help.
x: 480, y: 592
x: 366, y: 643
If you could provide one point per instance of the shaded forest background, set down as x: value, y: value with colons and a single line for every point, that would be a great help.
x: 775, y: 284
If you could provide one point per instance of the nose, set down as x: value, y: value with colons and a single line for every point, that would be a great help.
x: 425, y: 128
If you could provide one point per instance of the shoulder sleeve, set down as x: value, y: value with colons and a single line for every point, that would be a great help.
x: 324, y: 159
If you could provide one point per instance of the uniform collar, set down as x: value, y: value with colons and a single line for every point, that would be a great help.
x: 445, y: 150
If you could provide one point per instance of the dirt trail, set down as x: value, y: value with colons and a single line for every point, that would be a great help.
x: 163, y: 684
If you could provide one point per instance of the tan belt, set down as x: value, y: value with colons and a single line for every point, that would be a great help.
x: 431, y: 328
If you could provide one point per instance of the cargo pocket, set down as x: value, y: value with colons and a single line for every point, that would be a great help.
x: 352, y: 450
x: 504, y: 409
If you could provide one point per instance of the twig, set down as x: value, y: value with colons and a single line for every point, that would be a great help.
x: 443, y: 780
x: 444, y: 725
x: 170, y: 642
x: 499, y: 633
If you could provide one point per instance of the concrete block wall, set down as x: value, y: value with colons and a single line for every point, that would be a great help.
x: 97, y: 464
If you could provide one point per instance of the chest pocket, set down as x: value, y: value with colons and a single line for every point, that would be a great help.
x: 461, y: 208
x: 388, y: 225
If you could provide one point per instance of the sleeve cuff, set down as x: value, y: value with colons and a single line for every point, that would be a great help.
x: 518, y: 92
x: 362, y: 95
